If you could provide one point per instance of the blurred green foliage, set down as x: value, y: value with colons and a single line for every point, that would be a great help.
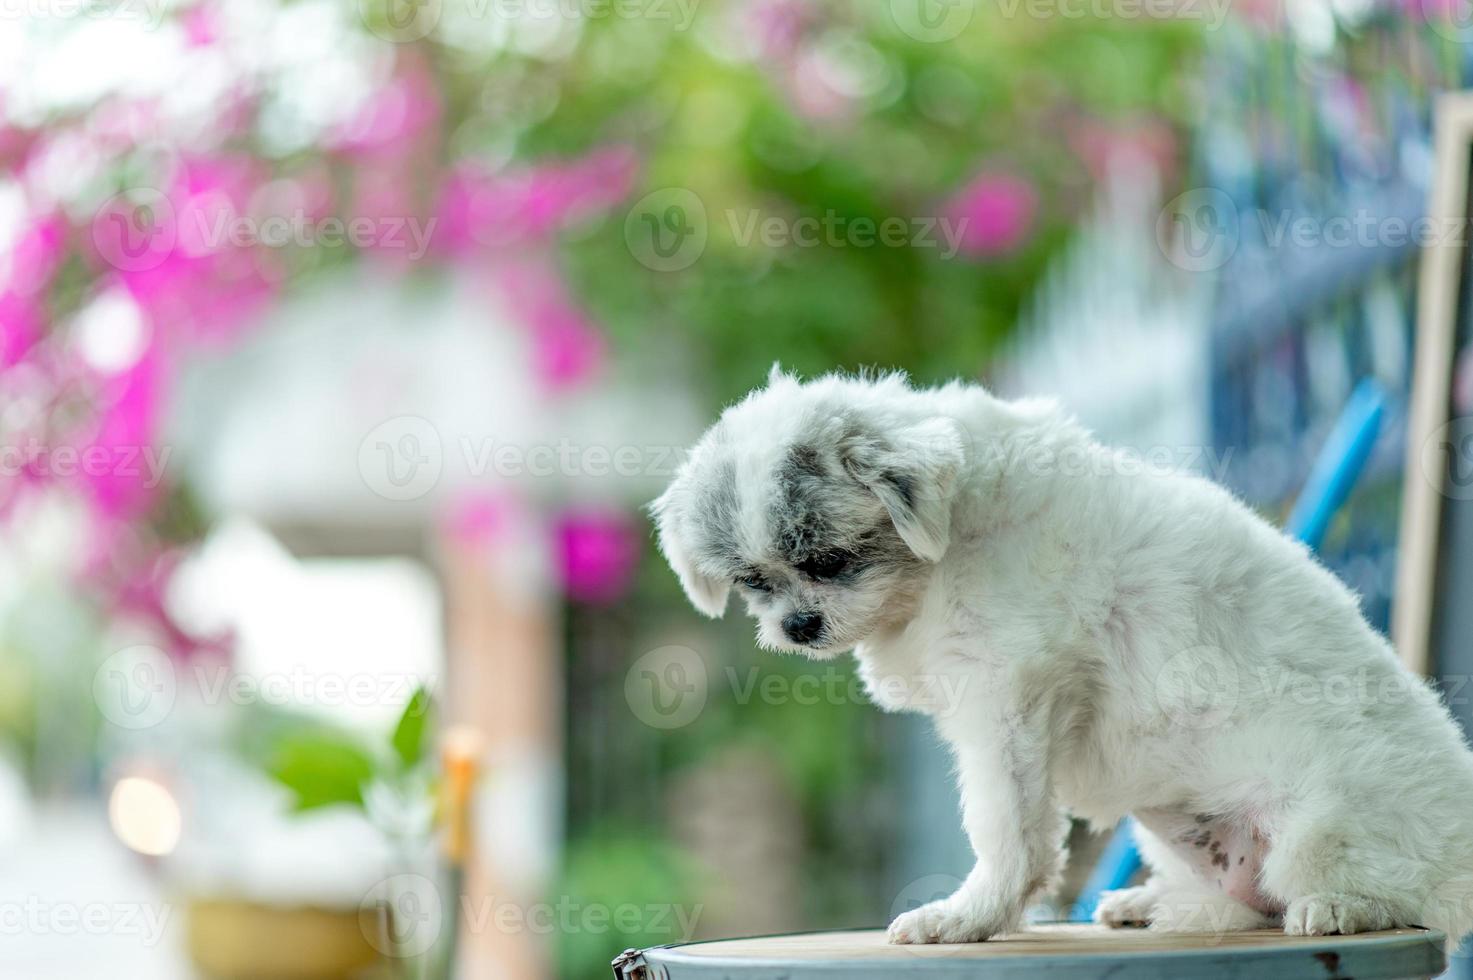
x: 620, y: 890
x: 1015, y: 94
x: 323, y: 765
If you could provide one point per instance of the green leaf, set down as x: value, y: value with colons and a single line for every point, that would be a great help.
x: 321, y: 769
x: 413, y: 729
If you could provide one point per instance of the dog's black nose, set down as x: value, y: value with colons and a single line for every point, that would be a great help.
x: 803, y: 627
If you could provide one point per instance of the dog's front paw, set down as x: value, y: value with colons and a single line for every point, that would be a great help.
x: 946, y: 921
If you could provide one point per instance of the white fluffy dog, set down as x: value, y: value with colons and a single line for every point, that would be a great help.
x: 1118, y: 640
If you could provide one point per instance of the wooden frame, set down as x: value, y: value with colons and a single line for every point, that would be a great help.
x: 1439, y: 289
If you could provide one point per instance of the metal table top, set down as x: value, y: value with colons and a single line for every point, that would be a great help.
x: 1055, y: 951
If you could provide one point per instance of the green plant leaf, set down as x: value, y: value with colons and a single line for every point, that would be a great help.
x: 414, y: 728
x: 321, y: 769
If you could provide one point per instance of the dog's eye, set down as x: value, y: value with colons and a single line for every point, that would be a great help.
x: 754, y: 582
x: 826, y: 565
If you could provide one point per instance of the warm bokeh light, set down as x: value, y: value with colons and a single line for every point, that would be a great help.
x: 145, y: 815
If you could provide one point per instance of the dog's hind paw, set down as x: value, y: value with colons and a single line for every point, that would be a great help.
x: 1323, y: 915
x: 1127, y: 907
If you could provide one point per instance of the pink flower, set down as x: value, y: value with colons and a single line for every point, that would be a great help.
x: 1443, y: 11
x: 480, y: 209
x: 993, y: 214
x: 779, y: 26
x: 557, y: 196
x: 180, y: 256
x: 15, y: 143
x: 397, y: 118
x: 26, y: 270
x: 20, y: 326
x: 810, y: 88
x: 134, y: 573
x: 598, y: 554
x: 122, y: 487
x: 201, y: 25
x: 35, y: 255
x: 386, y: 204
x: 1267, y: 16
x: 567, y: 349
x: 476, y: 522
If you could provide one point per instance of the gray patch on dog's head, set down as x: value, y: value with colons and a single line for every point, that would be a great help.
x: 797, y: 512
x: 821, y: 507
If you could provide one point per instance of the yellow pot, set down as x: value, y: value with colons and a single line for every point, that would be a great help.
x: 241, y: 940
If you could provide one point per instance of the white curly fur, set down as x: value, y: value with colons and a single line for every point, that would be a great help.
x: 1120, y: 640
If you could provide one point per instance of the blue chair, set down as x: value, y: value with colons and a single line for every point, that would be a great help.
x: 1336, y: 469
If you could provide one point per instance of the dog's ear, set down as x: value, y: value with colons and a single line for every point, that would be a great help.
x: 913, y: 472
x: 707, y: 594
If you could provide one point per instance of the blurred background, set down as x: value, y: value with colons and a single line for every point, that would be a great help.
x: 341, y: 345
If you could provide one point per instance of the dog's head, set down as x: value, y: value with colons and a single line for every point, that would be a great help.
x: 824, y: 504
